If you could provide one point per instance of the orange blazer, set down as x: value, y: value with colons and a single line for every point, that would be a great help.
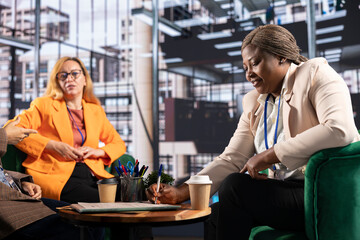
x: 50, y: 118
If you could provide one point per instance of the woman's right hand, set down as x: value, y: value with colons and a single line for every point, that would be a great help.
x: 17, y: 134
x: 64, y: 150
x: 168, y: 194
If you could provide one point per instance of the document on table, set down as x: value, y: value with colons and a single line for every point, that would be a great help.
x: 84, y: 207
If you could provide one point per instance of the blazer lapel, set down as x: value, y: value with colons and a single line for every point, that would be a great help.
x: 62, y: 122
x: 287, y: 98
x: 256, y: 119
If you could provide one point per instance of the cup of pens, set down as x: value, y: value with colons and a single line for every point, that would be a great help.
x: 131, y: 181
x: 132, y: 188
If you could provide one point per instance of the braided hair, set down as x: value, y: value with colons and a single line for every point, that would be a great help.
x: 276, y: 40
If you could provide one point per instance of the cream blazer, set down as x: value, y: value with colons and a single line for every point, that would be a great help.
x: 317, y: 114
x: 50, y: 118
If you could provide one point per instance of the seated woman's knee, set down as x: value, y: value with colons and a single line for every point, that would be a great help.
x: 234, y: 182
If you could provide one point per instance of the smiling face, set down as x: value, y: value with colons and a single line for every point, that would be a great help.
x: 71, y: 87
x: 264, y: 70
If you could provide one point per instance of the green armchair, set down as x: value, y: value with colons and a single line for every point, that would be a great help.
x: 332, y: 198
x: 13, y: 158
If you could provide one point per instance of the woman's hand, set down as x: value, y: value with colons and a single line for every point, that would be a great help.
x: 89, y: 152
x: 64, y: 150
x: 168, y: 194
x: 17, y: 134
x: 260, y: 162
x: 32, y: 189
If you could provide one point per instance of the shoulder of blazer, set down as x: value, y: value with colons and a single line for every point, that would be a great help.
x: 302, y: 75
x: 46, y: 103
x: 311, y: 65
x: 315, y: 61
x: 250, y: 103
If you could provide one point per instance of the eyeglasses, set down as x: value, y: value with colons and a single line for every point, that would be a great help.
x: 62, y: 76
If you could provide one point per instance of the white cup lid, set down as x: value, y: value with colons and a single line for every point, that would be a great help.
x: 199, y: 179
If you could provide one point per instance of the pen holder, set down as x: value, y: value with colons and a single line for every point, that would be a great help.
x: 132, y: 189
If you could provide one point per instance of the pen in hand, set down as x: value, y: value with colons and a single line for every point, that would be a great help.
x: 158, y: 182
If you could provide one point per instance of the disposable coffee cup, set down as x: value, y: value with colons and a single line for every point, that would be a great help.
x: 107, y: 189
x: 132, y: 189
x: 199, y: 187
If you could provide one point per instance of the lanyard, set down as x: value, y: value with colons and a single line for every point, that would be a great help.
x: 265, y: 120
x: 82, y: 136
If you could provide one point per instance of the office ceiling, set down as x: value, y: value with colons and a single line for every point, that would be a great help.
x: 203, y: 59
x: 255, y: 5
x: 251, y: 5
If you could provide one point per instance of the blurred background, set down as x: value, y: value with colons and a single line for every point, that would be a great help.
x: 179, y: 106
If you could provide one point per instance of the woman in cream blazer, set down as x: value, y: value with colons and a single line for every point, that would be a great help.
x: 52, y: 154
x: 308, y: 109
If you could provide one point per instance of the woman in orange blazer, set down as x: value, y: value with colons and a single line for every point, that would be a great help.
x: 64, y: 157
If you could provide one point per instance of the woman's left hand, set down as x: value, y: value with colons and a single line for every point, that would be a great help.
x: 260, y: 162
x: 89, y: 152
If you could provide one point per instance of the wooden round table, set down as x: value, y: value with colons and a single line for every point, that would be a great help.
x: 133, y: 219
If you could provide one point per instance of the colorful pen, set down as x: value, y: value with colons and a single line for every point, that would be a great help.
x: 118, y: 170
x: 125, y: 172
x: 136, y: 169
x: 141, y: 170
x: 158, y: 182
x: 145, y: 170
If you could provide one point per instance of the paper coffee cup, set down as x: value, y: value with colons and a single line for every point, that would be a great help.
x: 199, y: 187
x: 107, y: 189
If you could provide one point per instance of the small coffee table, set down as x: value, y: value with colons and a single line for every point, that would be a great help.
x: 133, y: 219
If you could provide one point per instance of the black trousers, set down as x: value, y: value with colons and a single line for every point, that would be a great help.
x: 82, y: 187
x: 245, y: 203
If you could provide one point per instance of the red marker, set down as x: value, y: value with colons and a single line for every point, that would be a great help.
x: 122, y: 166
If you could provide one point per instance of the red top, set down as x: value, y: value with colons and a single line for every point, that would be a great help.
x: 78, y: 116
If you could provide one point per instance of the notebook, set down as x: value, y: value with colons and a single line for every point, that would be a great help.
x: 84, y: 207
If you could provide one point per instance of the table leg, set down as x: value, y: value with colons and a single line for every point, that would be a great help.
x: 121, y: 232
x: 82, y: 233
x: 132, y: 233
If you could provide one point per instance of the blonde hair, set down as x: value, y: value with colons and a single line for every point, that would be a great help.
x: 276, y: 40
x: 54, y: 90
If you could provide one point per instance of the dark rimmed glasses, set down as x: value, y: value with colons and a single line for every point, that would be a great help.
x: 62, y: 76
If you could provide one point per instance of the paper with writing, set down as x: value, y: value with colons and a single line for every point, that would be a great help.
x: 84, y: 207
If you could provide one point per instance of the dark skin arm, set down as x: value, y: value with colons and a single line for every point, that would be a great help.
x: 174, y: 195
x: 168, y: 194
x: 260, y: 162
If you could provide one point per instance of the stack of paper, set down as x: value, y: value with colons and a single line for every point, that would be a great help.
x: 84, y: 207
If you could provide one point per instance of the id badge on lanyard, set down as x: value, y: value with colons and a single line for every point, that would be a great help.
x: 278, y: 173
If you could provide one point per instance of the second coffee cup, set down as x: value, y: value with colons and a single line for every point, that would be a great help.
x: 199, y: 187
x: 107, y: 189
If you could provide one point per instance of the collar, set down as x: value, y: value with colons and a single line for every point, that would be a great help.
x: 290, y: 80
x: 61, y: 103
